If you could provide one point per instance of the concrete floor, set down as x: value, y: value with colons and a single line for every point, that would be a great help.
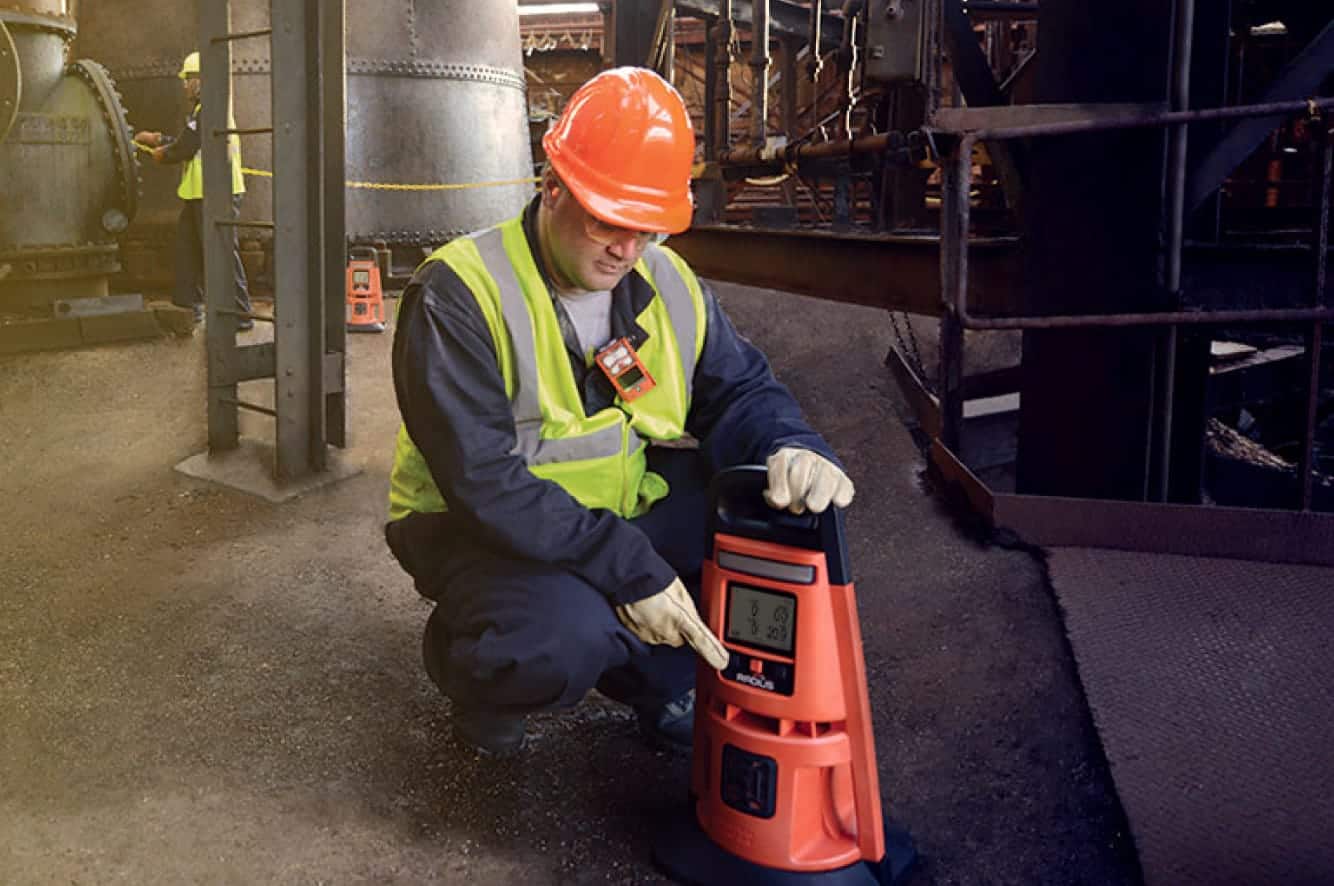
x: 199, y: 686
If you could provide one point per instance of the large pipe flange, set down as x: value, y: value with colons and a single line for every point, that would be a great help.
x: 122, y: 147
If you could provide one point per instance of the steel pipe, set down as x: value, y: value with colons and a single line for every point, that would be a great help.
x: 1094, y: 123
x: 759, y: 65
x: 782, y: 156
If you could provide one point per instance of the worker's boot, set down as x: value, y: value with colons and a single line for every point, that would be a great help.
x: 670, y: 726
x: 490, y: 733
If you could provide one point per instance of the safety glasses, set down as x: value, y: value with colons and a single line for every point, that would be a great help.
x: 604, y: 234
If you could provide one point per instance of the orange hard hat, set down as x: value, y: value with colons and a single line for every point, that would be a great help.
x: 624, y: 147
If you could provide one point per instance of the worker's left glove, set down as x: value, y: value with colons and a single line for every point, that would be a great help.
x: 801, y: 480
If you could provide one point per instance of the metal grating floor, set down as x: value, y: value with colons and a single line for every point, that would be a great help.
x: 1212, y: 687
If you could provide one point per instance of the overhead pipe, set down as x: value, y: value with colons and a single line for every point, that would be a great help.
x: 778, y: 158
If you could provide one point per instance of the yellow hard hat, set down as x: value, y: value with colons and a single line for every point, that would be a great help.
x: 190, y: 67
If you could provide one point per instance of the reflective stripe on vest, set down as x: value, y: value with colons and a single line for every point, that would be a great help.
x: 680, y: 305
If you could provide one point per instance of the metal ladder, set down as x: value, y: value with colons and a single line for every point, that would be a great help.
x: 307, y: 357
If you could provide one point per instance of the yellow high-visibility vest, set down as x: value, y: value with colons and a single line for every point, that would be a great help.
x: 599, y: 459
x: 192, y: 175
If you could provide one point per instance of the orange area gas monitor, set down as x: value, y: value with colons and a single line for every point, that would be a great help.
x: 365, y: 299
x: 784, y: 786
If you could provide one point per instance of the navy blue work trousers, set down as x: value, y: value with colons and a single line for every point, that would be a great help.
x: 521, y: 636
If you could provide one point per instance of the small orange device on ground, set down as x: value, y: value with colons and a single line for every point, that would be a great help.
x: 365, y: 298
x: 784, y: 787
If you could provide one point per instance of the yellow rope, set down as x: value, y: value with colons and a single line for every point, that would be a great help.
x: 382, y: 186
x: 388, y: 186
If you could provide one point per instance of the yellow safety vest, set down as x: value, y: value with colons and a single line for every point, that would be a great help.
x: 192, y: 175
x: 599, y: 459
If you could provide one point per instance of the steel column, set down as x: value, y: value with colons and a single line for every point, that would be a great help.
x: 215, y: 62
x: 309, y: 239
x: 1183, y: 31
x: 635, y: 23
x: 295, y: 182
x: 722, y: 96
x: 711, y: 73
x: 759, y: 65
x: 1324, y: 140
x: 331, y: 81
x: 815, y: 42
x: 1086, y: 397
x: 790, y: 49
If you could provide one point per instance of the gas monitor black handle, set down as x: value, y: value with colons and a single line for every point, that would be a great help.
x: 737, y: 507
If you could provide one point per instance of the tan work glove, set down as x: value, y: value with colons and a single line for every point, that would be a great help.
x: 801, y: 480
x: 670, y: 618
x: 148, y: 138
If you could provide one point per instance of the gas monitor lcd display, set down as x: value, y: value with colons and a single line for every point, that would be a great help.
x: 761, y: 618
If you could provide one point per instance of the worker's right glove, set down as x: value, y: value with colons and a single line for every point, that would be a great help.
x: 669, y: 617
x: 148, y: 139
x: 801, y: 480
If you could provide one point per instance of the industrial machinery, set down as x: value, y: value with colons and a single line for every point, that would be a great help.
x: 784, y: 782
x: 68, y: 174
x: 435, y: 114
x: 1000, y: 165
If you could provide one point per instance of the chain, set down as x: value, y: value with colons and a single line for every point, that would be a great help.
x: 912, y: 354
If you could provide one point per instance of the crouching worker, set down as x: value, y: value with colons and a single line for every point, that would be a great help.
x: 537, y: 366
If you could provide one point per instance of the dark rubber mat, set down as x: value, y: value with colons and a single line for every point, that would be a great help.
x: 1212, y: 687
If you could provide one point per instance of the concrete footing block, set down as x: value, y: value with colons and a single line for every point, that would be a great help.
x: 249, y: 469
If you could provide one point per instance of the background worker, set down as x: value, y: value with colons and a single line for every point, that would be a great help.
x: 562, y: 551
x: 188, y: 289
